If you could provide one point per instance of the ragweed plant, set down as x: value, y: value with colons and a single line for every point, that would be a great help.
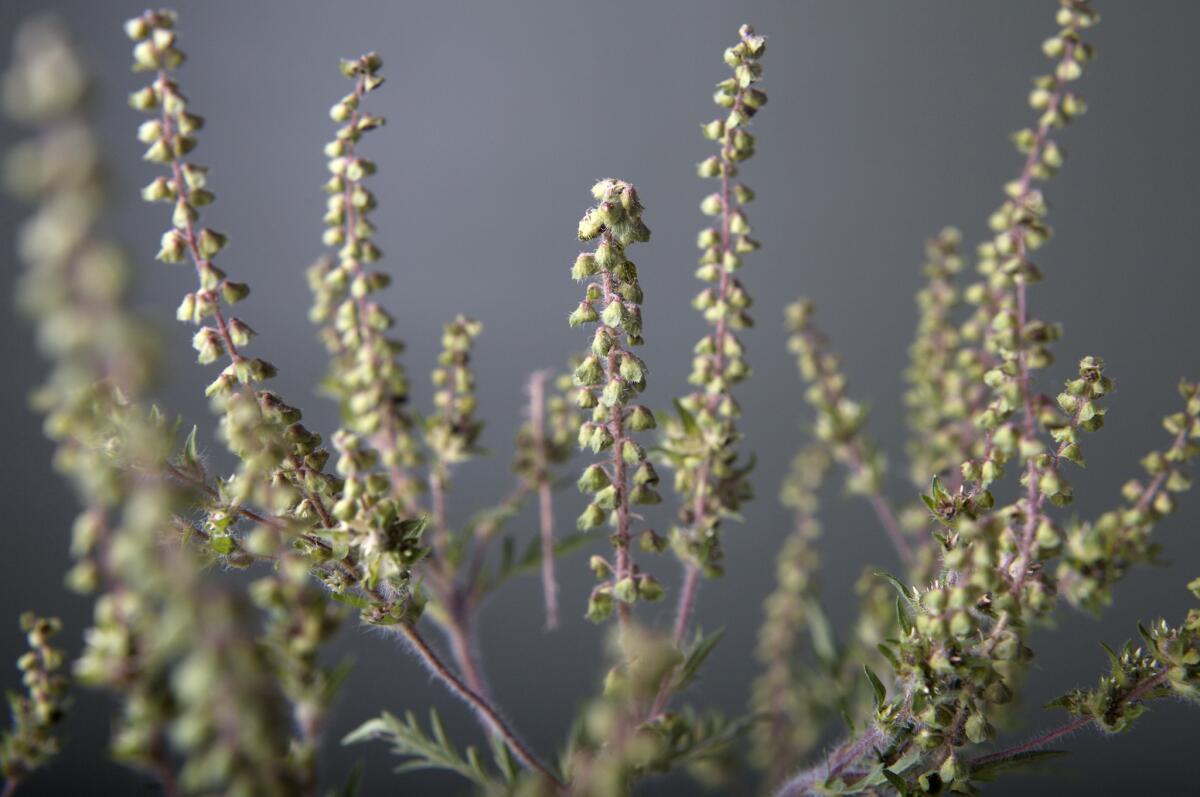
x: 225, y: 681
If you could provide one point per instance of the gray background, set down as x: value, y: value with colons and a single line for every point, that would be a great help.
x: 886, y: 122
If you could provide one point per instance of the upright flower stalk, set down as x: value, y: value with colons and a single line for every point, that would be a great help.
x: 452, y: 432
x: 841, y: 420
x: 365, y: 375
x: 710, y: 476
x: 785, y: 694
x: 282, y: 461
x: 32, y: 741
x: 609, y: 378
x: 941, y: 398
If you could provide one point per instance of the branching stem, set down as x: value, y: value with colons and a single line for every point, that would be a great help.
x: 487, y: 715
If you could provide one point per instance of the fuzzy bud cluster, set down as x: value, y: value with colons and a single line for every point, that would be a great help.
x: 710, y: 476
x: 608, y: 381
x: 1013, y: 344
x: 452, y: 433
x: 942, y: 391
x: 31, y: 742
x: 840, y: 419
x: 788, y: 693
x: 282, y: 462
x: 1096, y: 554
x: 365, y: 374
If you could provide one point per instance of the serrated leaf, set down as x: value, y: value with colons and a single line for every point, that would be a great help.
x: 509, y: 769
x: 422, y: 750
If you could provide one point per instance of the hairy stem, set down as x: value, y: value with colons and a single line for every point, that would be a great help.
x: 616, y: 424
x: 487, y: 715
x: 835, y: 764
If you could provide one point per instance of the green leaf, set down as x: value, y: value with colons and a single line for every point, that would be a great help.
x: 1027, y: 761
x: 902, y: 616
x: 505, y: 762
x: 353, y: 783
x: 190, y: 455
x: 422, y: 750
x: 824, y: 644
x: 1113, y: 659
x: 900, y: 586
x: 896, y: 782
x: 357, y: 601
x: 888, y: 654
x: 877, y: 685
x: 1068, y: 702
x: 690, y: 427
x: 511, y: 565
x: 695, y: 657
x: 1147, y: 637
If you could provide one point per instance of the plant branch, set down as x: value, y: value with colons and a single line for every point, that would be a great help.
x: 1049, y: 736
x: 488, y: 716
x: 537, y: 426
x: 835, y: 764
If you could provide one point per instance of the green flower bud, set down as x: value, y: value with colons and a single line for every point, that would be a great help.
x: 644, y: 495
x: 640, y: 418
x: 600, y: 606
x: 173, y: 247
x: 601, y: 439
x: 649, y: 589
x: 713, y: 130
x: 590, y: 226
x: 615, y: 392
x: 186, y: 311
x: 594, y: 479
x: 583, y: 314
x: 614, y: 314
x: 599, y: 565
x: 589, y: 372
x: 209, y: 242
x: 585, y: 266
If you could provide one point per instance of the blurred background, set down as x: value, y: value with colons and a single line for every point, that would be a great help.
x: 886, y: 122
